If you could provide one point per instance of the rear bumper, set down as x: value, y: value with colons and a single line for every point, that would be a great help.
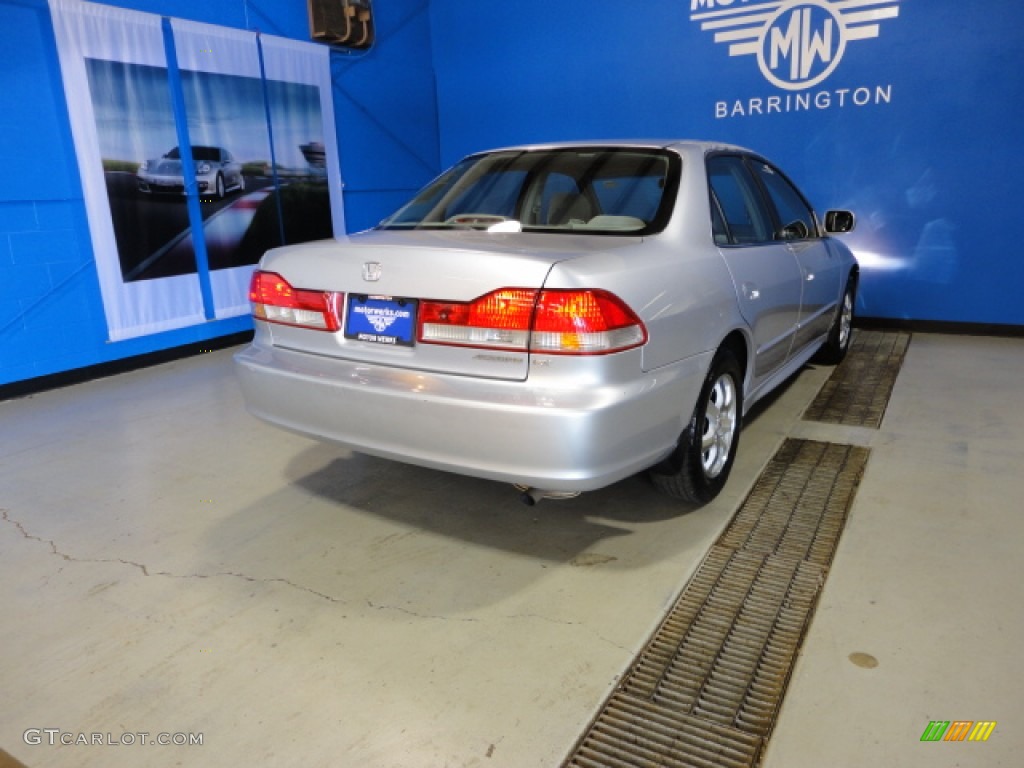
x: 552, y: 437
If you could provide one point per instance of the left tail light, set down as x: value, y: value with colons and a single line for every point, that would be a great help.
x: 276, y: 301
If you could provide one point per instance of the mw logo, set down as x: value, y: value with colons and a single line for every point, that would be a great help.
x: 958, y: 730
x: 798, y: 43
x: 805, y: 37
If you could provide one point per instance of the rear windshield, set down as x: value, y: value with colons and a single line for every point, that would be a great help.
x: 600, y: 190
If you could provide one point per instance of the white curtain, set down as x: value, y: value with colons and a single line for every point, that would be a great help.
x: 121, y: 94
x: 228, y: 103
x: 291, y: 61
x: 87, y: 32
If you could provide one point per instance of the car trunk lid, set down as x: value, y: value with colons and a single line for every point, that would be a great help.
x: 386, y: 276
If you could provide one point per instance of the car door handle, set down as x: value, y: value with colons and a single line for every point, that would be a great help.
x: 751, y: 291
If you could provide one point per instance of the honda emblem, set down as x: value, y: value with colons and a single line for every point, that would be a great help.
x: 372, y: 271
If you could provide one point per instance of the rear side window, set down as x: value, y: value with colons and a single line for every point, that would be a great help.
x: 795, y: 219
x: 742, y: 216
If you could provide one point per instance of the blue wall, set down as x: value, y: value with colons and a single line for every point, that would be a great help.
x: 929, y: 162
x: 932, y: 166
x: 385, y: 103
x: 51, y: 320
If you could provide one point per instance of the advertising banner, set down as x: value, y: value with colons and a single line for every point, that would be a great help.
x: 194, y: 143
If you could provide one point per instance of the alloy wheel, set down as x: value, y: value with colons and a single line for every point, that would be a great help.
x: 720, y: 420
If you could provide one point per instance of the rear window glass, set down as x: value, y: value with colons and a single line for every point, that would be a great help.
x: 599, y: 190
x: 491, y: 193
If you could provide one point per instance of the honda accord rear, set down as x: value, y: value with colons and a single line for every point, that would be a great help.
x: 546, y: 316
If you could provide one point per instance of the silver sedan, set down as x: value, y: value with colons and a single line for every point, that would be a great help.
x: 558, y: 316
x: 217, y: 172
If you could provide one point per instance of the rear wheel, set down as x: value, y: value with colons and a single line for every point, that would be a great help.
x: 840, y: 334
x: 698, y: 468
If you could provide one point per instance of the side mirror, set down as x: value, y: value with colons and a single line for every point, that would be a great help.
x: 838, y: 222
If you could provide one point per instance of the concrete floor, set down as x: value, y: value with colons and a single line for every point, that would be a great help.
x: 169, y: 565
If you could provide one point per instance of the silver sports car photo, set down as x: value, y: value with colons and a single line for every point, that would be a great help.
x: 217, y: 172
x: 558, y: 317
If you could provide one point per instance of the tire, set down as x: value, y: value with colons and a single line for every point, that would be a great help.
x: 834, y: 350
x: 698, y: 468
x: 220, y: 187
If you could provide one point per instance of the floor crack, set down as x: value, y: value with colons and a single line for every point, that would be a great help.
x: 376, y: 607
x: 166, y: 574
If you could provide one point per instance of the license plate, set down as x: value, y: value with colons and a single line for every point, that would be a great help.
x: 381, y: 320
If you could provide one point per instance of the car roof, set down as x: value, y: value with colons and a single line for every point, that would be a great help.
x: 679, y: 144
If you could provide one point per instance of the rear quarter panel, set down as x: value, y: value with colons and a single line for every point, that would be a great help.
x: 684, y: 296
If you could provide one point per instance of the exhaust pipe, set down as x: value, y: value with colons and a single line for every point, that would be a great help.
x: 533, y: 496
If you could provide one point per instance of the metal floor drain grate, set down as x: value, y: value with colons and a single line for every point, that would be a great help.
x: 857, y: 393
x: 705, y: 690
x: 798, y: 506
